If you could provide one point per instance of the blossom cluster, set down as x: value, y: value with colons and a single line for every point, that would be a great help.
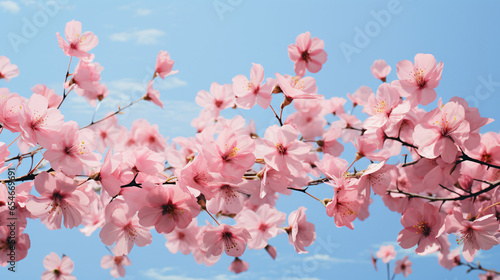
x: 127, y: 183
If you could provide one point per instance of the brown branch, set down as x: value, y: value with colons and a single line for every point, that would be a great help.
x: 458, y: 198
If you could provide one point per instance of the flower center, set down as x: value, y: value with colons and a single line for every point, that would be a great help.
x: 423, y: 228
x: 118, y: 260
x: 168, y: 209
x: 418, y: 77
x: 305, y: 56
x: 380, y: 107
x: 281, y: 149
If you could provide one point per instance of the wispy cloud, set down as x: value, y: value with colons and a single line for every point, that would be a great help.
x: 330, y: 259
x: 10, y: 7
x: 161, y: 274
x: 170, y: 83
x: 143, y: 37
x: 138, y: 11
x: 142, y: 12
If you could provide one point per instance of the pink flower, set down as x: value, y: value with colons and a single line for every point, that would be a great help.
x: 153, y: 95
x: 10, y: 106
x: 271, y: 250
x: 403, y: 266
x: 57, y: 268
x: 142, y: 133
x: 422, y: 227
x: 183, y: 240
x: 386, y: 108
x: 230, y: 155
x: 164, y: 65
x: 248, y: 92
x: 226, y: 238
x: 386, y: 253
x: 475, y: 233
x: 329, y: 143
x: 282, y: 150
x: 301, y: 233
x: 374, y: 260
x: 21, y: 242
x: 7, y: 70
x: 39, y: 123
x: 53, y: 99
x: 380, y: 69
x: 360, y: 96
x: 228, y: 197
x: 238, y: 266
x: 145, y: 164
x: 116, y: 263
x: 307, y: 53
x: 297, y: 88
x: 123, y: 227
x: 262, y: 224
x: 196, y: 175
x: 168, y: 207
x: 345, y: 207
x: 417, y: 82
x: 58, y: 197
x: 440, y: 131
x: 85, y: 82
x: 308, y: 118
x: 78, y: 44
x: 490, y: 275
x: 108, y: 133
x: 73, y: 151
x: 220, y: 97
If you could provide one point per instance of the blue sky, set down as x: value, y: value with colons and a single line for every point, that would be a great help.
x: 211, y: 45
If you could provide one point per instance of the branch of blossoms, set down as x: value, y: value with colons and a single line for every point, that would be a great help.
x: 458, y: 198
x: 473, y: 266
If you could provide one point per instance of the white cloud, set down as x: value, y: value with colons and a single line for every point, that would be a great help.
x: 143, y: 37
x: 143, y: 12
x: 10, y: 6
x: 159, y: 274
x: 170, y: 83
x: 327, y: 258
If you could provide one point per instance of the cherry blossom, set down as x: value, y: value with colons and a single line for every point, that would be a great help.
x: 57, y: 268
x: 116, y: 263
x: 301, y: 233
x: 386, y: 253
x: 403, y: 266
x: 248, y: 92
x: 307, y: 53
x: 417, y: 81
x: 78, y: 44
x: 380, y: 69
x: 7, y: 70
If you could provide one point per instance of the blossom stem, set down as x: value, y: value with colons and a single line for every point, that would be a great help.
x: 279, y: 119
x: 305, y: 191
x: 14, y: 140
x: 388, y: 272
x: 212, y: 217
x: 478, y: 267
x: 120, y: 109
x: 33, y: 170
x: 65, y: 80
